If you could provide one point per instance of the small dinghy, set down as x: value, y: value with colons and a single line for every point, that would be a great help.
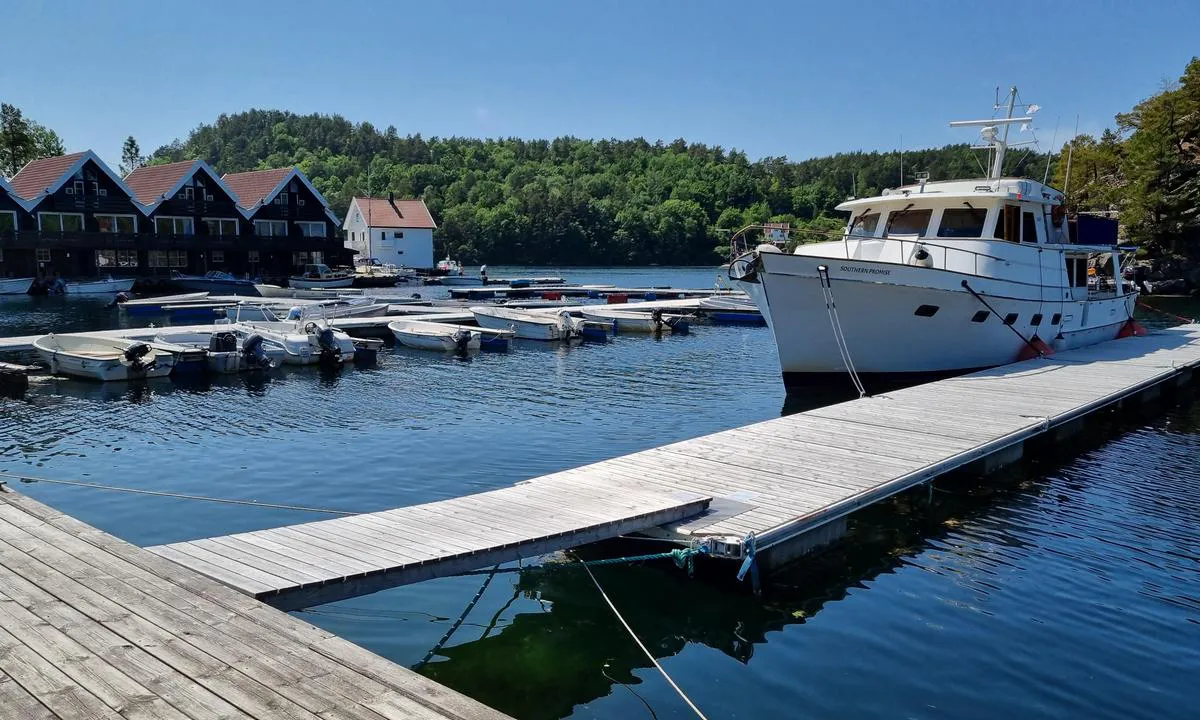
x: 15, y: 286
x: 226, y: 352
x: 433, y: 336
x: 529, y: 325
x: 98, y: 287
x: 95, y: 357
x: 654, y: 321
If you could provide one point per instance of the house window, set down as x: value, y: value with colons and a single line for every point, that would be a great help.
x: 270, y: 228
x: 300, y: 258
x: 60, y: 222
x: 43, y: 255
x: 174, y: 226
x: 117, y: 223
x: 281, y: 199
x: 109, y: 259
x: 221, y: 226
x: 8, y: 220
x: 76, y: 188
x: 311, y: 229
x: 167, y: 259
x: 908, y: 222
x: 962, y: 223
x: 217, y: 256
x: 317, y: 256
x: 188, y: 193
x: 399, y: 235
x: 252, y: 256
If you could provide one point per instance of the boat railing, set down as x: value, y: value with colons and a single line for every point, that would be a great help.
x: 910, y: 249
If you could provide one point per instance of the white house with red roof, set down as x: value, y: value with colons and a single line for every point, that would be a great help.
x: 393, y: 231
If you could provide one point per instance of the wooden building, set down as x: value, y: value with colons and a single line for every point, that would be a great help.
x: 73, y: 216
x: 393, y: 231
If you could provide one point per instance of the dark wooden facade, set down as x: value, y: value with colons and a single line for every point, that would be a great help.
x: 139, y: 245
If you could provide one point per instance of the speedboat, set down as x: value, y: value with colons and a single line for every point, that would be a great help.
x: 226, y: 351
x: 15, y: 286
x: 435, y: 336
x: 629, y: 320
x: 109, y: 286
x: 450, y: 272
x: 216, y: 281
x: 318, y: 276
x: 529, y: 325
x: 305, y: 342
x: 97, y: 357
x: 937, y: 278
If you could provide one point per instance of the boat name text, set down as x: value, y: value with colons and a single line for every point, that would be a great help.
x: 865, y: 270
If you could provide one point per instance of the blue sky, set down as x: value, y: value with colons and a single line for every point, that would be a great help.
x: 772, y: 78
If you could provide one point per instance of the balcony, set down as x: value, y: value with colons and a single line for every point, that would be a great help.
x: 32, y: 239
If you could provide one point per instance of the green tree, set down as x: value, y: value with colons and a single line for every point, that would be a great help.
x: 18, y: 144
x: 131, y: 156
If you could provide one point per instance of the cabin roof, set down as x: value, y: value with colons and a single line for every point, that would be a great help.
x: 1004, y: 188
x: 38, y: 175
x: 391, y: 213
x: 155, y: 183
x: 258, y: 187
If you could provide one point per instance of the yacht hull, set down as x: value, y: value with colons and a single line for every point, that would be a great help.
x: 900, y: 320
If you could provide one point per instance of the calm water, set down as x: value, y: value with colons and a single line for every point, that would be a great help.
x: 1067, y: 590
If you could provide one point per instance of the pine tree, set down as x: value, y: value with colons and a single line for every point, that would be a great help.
x: 131, y: 156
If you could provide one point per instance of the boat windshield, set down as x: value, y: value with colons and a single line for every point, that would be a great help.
x: 962, y: 223
x: 909, y: 221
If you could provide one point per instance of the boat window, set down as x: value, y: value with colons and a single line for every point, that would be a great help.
x: 1008, y: 224
x: 908, y: 222
x: 1028, y: 228
x: 962, y: 223
x: 866, y: 225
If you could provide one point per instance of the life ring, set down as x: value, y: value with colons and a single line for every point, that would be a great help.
x: 1057, y: 214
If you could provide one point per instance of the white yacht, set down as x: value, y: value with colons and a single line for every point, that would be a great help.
x: 943, y: 277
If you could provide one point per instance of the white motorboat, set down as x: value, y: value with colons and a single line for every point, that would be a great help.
x: 943, y: 277
x: 318, y: 276
x: 338, y: 308
x: 15, y: 286
x: 108, y: 286
x: 629, y: 320
x: 275, y: 291
x: 728, y: 303
x: 305, y: 342
x: 226, y: 351
x: 434, y: 336
x: 97, y: 357
x: 529, y: 325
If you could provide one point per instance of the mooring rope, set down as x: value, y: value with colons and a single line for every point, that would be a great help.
x: 839, y: 337
x: 638, y: 640
x: 29, y: 479
x: 1148, y: 306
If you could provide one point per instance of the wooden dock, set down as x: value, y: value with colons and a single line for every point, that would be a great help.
x: 786, y: 482
x: 472, y: 292
x: 92, y: 627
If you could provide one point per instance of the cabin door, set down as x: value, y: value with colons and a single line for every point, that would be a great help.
x: 1010, y: 224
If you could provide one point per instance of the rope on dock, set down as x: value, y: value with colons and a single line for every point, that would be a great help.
x: 684, y: 558
x: 1148, y: 306
x: 29, y: 479
x: 638, y: 640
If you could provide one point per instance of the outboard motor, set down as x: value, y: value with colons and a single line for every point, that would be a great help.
x: 136, y: 354
x: 462, y: 339
x: 568, y: 323
x: 255, y: 352
x: 330, y: 350
x: 120, y: 299
x: 222, y: 342
x: 656, y: 316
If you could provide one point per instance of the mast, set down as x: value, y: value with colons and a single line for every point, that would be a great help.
x: 1002, y: 144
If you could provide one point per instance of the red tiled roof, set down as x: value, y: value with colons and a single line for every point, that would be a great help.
x: 149, y: 182
x: 382, y: 212
x: 37, y: 175
x: 254, y: 185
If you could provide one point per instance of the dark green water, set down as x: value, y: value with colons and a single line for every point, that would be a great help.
x: 1067, y: 588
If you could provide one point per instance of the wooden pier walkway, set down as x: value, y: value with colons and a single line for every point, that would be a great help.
x: 786, y: 481
x: 92, y: 627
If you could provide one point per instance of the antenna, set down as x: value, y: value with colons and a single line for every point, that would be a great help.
x: 901, y: 158
x: 1053, y: 139
x: 1070, y: 153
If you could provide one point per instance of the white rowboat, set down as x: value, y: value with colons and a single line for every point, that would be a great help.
x: 96, y: 357
x: 654, y: 321
x: 99, y: 287
x: 432, y: 336
x: 529, y: 325
x: 15, y: 286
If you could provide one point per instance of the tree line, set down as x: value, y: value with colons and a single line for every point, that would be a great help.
x: 575, y: 201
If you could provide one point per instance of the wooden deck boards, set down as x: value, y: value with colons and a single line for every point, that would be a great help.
x: 92, y: 627
x: 778, y: 479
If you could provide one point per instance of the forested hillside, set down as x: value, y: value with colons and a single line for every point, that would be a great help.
x: 568, y: 201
